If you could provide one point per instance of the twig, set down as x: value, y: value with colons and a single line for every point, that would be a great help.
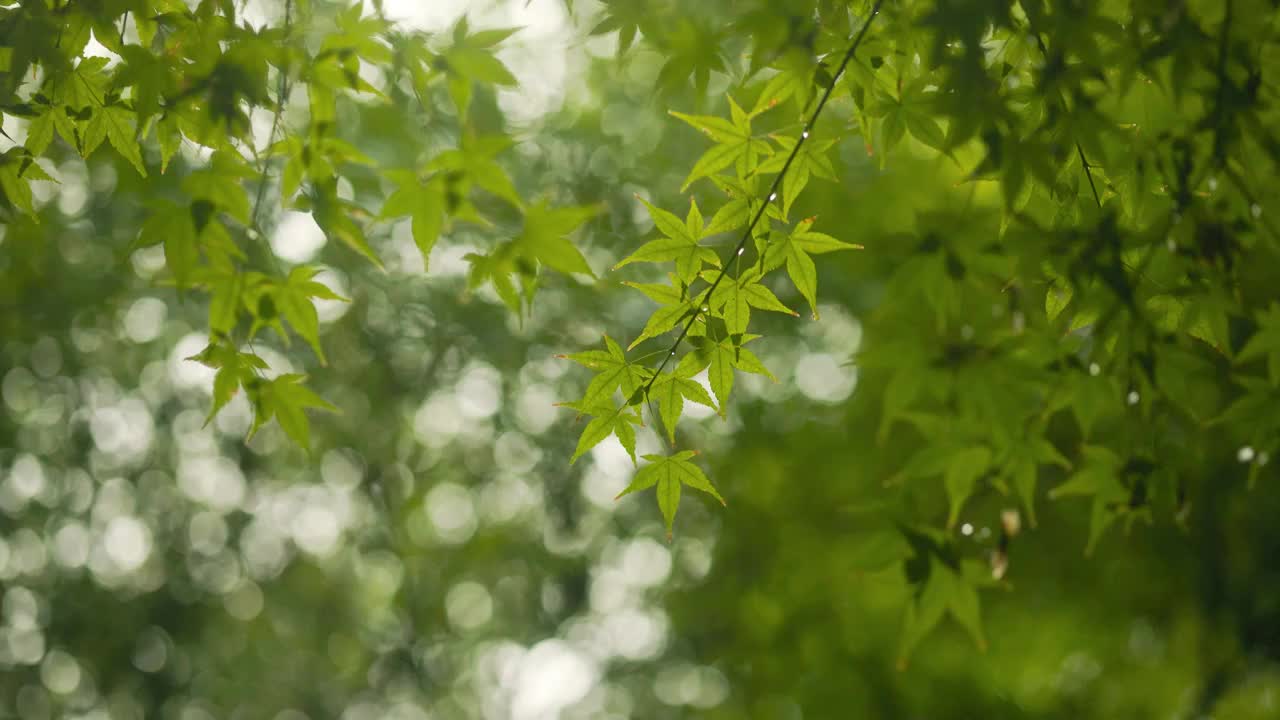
x: 1088, y: 173
x: 282, y: 96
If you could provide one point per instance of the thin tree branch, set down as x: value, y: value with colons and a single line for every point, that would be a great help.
x: 1219, y: 119
x: 282, y: 96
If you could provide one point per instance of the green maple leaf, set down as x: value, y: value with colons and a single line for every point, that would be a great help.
x: 1023, y: 470
x: 543, y: 237
x: 735, y: 145
x: 1265, y: 343
x: 171, y: 225
x: 334, y: 216
x: 679, y: 243
x: 424, y: 202
x: 40, y: 131
x: 692, y: 51
x: 661, y: 293
x: 471, y: 55
x: 118, y: 123
x: 794, y: 251
x: 964, y: 468
x: 671, y: 390
x: 663, y: 320
x: 609, y: 420
x: 220, y: 185
x: 286, y: 399
x: 811, y: 160
x: 1099, y: 478
x: 475, y: 162
x: 722, y: 358
x: 625, y: 16
x: 942, y: 591
x: 668, y: 474
x: 733, y: 299
x: 17, y: 169
x: 149, y: 77
x: 294, y: 298
x: 235, y: 369
x: 912, y: 110
x: 614, y: 372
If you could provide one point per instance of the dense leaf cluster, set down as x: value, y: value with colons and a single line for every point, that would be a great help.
x: 1106, y: 316
x: 1094, y: 307
x: 189, y: 79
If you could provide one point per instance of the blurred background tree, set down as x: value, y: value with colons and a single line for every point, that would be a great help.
x: 1067, y: 290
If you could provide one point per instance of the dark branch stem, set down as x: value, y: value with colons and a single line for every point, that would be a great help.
x: 1219, y: 105
x: 764, y: 206
x: 1088, y: 173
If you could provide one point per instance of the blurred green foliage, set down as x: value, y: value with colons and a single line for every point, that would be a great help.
x: 1016, y: 464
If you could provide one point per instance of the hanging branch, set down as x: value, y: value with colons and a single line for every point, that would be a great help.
x: 772, y: 195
